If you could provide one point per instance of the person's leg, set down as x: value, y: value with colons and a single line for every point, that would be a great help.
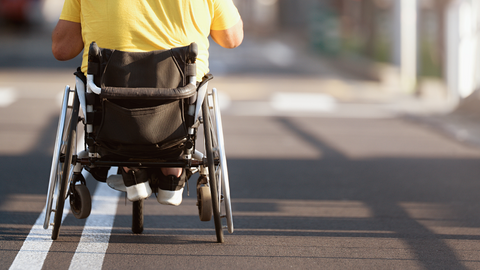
x: 171, y: 182
x: 177, y: 172
x: 136, y: 181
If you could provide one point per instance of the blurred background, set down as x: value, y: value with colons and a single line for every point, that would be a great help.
x: 416, y: 42
x: 411, y: 45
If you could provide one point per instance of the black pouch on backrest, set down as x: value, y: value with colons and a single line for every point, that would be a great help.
x: 143, y: 128
x: 148, y: 125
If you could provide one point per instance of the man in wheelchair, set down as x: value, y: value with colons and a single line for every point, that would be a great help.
x: 146, y: 26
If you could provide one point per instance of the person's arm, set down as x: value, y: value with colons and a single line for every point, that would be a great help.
x: 229, y: 38
x: 67, y: 40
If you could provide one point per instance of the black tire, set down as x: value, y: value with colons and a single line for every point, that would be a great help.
x: 207, y: 127
x: 64, y: 181
x: 81, y: 202
x: 137, y: 217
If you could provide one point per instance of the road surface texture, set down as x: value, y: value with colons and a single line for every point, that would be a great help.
x: 327, y: 171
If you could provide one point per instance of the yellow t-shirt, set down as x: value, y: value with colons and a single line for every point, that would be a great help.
x: 147, y: 25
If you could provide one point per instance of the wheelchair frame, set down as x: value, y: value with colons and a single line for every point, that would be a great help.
x: 66, y: 180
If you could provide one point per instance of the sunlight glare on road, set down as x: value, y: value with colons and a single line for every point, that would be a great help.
x: 7, y: 96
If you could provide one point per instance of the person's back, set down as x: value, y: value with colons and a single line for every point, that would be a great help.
x: 147, y: 25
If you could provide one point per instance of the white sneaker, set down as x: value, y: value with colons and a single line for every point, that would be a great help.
x: 169, y: 197
x: 170, y: 189
x: 136, y: 182
x: 139, y: 192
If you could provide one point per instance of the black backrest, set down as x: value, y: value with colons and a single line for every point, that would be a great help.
x: 157, y: 82
x: 156, y: 70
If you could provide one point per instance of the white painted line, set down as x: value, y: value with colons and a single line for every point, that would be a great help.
x: 303, y: 102
x: 37, y: 244
x: 93, y: 244
x: 7, y: 96
x: 340, y: 110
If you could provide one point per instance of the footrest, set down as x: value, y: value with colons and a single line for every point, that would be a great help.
x: 115, y: 181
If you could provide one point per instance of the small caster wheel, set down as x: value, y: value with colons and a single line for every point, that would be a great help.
x: 204, y: 203
x: 80, y: 201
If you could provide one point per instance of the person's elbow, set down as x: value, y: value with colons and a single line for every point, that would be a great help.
x: 229, y: 38
x: 235, y: 37
x: 67, y: 40
x: 231, y: 43
x: 60, y: 54
x: 64, y: 51
x: 234, y: 42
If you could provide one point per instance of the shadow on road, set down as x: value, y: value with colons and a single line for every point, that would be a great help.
x: 395, y: 191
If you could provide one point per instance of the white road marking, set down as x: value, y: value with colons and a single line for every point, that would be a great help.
x: 37, y: 244
x: 305, y: 105
x: 303, y: 102
x: 7, y: 96
x: 93, y: 244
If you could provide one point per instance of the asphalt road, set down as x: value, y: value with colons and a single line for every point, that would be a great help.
x: 311, y: 189
x: 325, y: 173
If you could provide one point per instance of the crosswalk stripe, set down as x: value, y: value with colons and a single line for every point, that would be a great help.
x: 37, y: 244
x: 93, y: 244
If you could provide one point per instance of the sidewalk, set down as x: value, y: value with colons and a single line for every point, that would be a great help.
x: 462, y: 123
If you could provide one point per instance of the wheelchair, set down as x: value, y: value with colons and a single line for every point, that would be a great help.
x: 144, y: 110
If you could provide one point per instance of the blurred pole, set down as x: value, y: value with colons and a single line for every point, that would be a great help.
x: 440, y: 7
x: 405, y: 42
x: 463, y: 42
x: 265, y: 15
x: 369, y: 27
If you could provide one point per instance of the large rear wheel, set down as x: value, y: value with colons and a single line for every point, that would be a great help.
x: 213, y: 179
x: 221, y: 169
x: 62, y: 168
x: 58, y: 152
